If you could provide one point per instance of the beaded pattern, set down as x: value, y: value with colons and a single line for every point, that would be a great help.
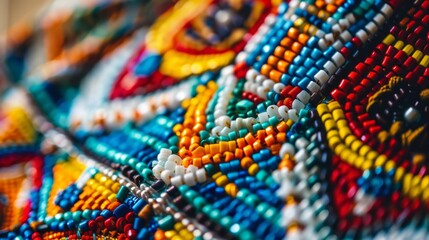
x: 222, y: 119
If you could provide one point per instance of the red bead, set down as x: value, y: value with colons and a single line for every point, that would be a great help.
x: 240, y: 70
x: 338, y: 95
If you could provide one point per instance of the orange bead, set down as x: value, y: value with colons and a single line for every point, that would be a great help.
x: 272, y: 60
x: 279, y: 51
x: 195, y: 140
x: 275, y: 75
x: 228, y: 156
x: 250, y: 139
x: 217, y: 159
x: 206, y: 159
x: 232, y: 146
x: 261, y: 134
x: 281, y: 137
x: 246, y: 162
x: 270, y: 131
x: 241, y: 143
x: 239, y: 153
x: 214, y: 148
x: 159, y: 235
x: 282, y: 127
x: 186, y: 161
x: 282, y: 66
x: 197, y: 162
x: 270, y: 140
x: 293, y: 33
x: 303, y: 38
x: 248, y: 150
x: 257, y: 145
x: 265, y: 70
x: 185, y: 142
x: 289, y: 56
x: 183, y: 152
x: 198, y: 127
x: 275, y: 148
x: 223, y: 146
x: 296, y: 47
x: 198, y: 152
x: 286, y: 42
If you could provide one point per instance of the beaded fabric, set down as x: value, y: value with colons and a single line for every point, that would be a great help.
x: 226, y: 119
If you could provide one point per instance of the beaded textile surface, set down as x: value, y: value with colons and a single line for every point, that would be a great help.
x: 217, y: 119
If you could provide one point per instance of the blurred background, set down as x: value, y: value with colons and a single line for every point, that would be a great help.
x: 13, y: 11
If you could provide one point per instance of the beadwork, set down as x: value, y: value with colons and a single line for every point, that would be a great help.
x: 301, y: 119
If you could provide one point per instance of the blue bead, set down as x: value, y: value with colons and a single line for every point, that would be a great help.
x: 121, y: 210
x: 106, y: 213
x: 138, y: 206
x: 311, y: 73
x: 287, y: 25
x: 148, y: 64
x: 83, y: 226
x: 301, y: 71
x: 95, y: 214
x: 285, y: 79
x: 62, y: 226
x: 304, y: 82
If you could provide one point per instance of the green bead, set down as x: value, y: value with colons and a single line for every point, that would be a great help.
x: 174, y: 149
x: 257, y: 127
x: 269, y: 213
x: 252, y: 200
x: 215, y: 215
x: 246, y: 235
x: 67, y: 215
x: 122, y: 193
x: 132, y: 162
x: 242, y: 132
x: 189, y: 195
x: 207, y: 209
x: 232, y: 135
x: 261, y: 175
x: 204, y: 134
x: 174, y: 140
x: 140, y: 166
x: 242, y: 194
x: 199, y: 202
x: 265, y: 124
x: 244, y: 105
x: 223, y: 138
x: 262, y: 208
x: 147, y: 174
x: 166, y: 223
x: 58, y: 216
x: 273, y: 121
x: 77, y: 216
x: 226, y: 221
x: 210, y: 169
x: 86, y: 214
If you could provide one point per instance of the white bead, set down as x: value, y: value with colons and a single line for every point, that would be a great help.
x: 344, y: 22
x: 162, y: 157
x: 321, y: 77
x: 225, y: 131
x: 268, y: 84
x: 362, y: 35
x: 345, y: 36
x: 273, y: 110
x: 287, y: 148
x: 251, y: 75
x: 313, y: 87
x: 177, y: 180
x: 175, y: 158
x: 260, y: 79
x: 189, y: 179
x: 303, y: 96
x: 338, y: 45
x: 262, y: 92
x: 386, y: 10
x: 298, y: 105
x: 331, y: 21
x: 179, y: 170
x: 338, y: 59
x: 379, y: 19
x: 223, y: 121
x: 283, y: 111
x: 293, y: 115
x: 263, y: 117
x: 166, y: 175
x: 191, y: 169
x: 301, y: 143
x: 201, y: 175
x: 170, y: 165
x: 351, y: 18
x: 157, y: 171
x: 241, y: 57
x: 412, y: 115
x: 301, y: 155
x: 322, y: 44
x: 216, y: 131
x: 330, y: 67
x: 278, y: 87
x: 371, y: 28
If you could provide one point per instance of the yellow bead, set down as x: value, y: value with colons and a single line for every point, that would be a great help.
x: 253, y: 169
x: 170, y: 234
x: 372, y: 155
x: 221, y: 181
x: 364, y: 150
x: 366, y: 165
x: 408, y: 49
x: 406, y: 184
x: 399, y: 173
x: 425, y: 61
x: 178, y: 226
x: 380, y: 160
x: 418, y: 55
x: 389, y: 39
x: 356, y: 146
x: 389, y: 165
x: 399, y: 45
